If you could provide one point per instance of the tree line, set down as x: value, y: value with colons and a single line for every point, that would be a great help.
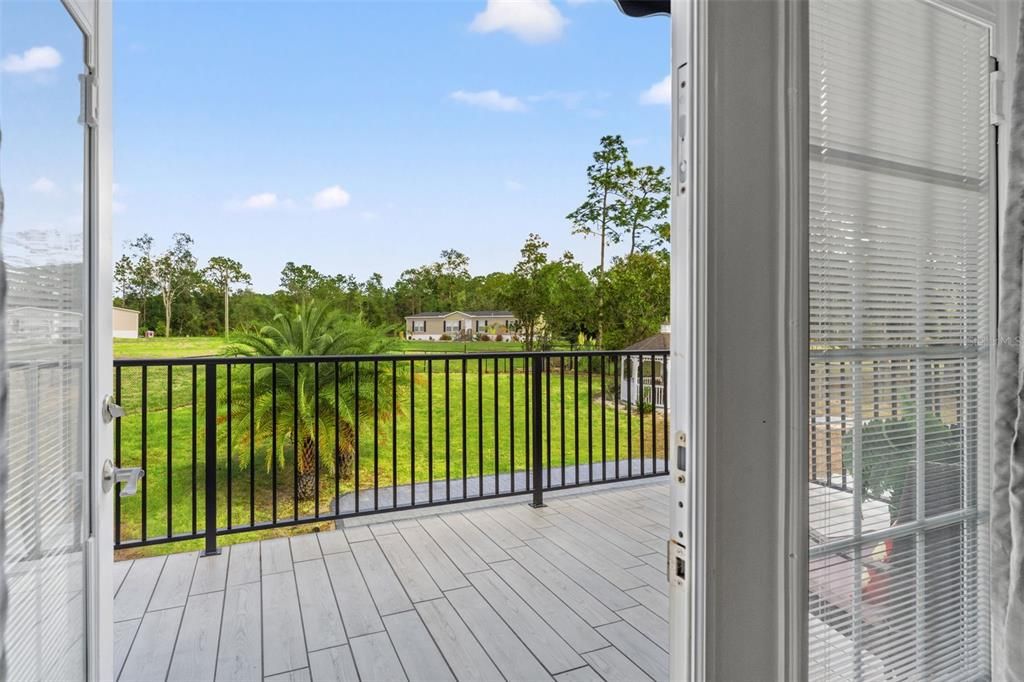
x: 612, y: 305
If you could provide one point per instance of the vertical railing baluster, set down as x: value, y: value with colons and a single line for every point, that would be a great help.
x: 316, y: 440
x: 195, y: 449
x: 170, y: 449
x: 430, y: 431
x: 295, y: 440
x: 273, y: 442
x: 480, y: 369
x: 528, y: 435
x: 664, y: 408
x: 576, y: 415
x: 210, y: 452
x: 227, y: 395
x: 447, y: 432
x: 629, y: 415
x: 394, y: 434
x: 412, y: 432
x: 640, y: 406
x: 336, y: 455
x: 355, y: 455
x: 616, y: 367
x: 546, y: 367
x: 376, y: 436
x: 604, y: 422
x: 497, y: 436
x: 144, y: 447
x: 561, y: 412
x: 537, y: 436
x: 511, y: 425
x: 590, y: 419
x: 252, y: 444
x: 462, y: 369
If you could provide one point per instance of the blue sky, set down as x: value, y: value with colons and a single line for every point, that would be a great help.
x: 362, y: 137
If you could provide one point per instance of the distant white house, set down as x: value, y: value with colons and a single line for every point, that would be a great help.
x: 462, y: 326
x: 126, y: 323
x: 644, y: 377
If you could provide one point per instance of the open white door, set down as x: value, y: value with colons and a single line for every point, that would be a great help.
x: 56, y: 252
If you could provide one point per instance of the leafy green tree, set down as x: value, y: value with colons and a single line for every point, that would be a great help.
x: 642, y: 211
x: 134, y: 274
x: 304, y: 330
x: 222, y: 273
x: 606, y: 185
x: 571, y: 300
x: 528, y: 293
x: 636, y: 299
x: 175, y: 274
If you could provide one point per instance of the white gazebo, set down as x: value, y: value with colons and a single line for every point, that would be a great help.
x: 643, y: 376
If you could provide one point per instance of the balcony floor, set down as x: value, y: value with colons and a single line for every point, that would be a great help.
x: 575, y: 590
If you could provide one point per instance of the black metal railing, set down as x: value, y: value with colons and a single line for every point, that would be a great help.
x: 239, y: 444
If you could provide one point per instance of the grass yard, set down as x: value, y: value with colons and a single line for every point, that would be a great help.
x: 173, y: 347
x: 428, y: 437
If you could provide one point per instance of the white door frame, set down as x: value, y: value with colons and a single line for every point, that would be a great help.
x: 739, y: 312
x: 94, y: 17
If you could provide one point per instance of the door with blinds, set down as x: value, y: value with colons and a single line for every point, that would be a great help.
x: 902, y: 261
x: 48, y: 242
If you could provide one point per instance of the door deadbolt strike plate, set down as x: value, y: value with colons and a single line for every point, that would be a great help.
x: 675, y: 564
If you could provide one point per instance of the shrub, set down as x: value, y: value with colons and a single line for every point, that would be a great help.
x: 485, y: 337
x: 499, y: 337
x: 445, y: 337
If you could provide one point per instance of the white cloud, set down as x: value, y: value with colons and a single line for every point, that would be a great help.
x: 256, y: 202
x: 43, y: 186
x: 489, y: 99
x: 32, y: 59
x: 532, y: 21
x: 514, y: 186
x: 331, y: 197
x: 659, y: 93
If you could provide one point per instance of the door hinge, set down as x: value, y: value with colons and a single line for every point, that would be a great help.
x: 996, y: 100
x: 87, y: 115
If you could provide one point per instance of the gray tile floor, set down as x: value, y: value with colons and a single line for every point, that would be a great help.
x: 574, y: 591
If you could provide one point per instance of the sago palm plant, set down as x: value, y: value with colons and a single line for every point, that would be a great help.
x: 309, y: 394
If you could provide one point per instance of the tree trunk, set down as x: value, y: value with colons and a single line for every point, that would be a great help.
x: 226, y: 295
x: 167, y: 317
x: 307, y: 470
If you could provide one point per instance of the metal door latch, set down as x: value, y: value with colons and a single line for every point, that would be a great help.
x: 128, y: 478
x: 111, y: 410
x: 676, y: 562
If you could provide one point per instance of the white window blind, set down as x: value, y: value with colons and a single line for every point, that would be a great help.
x: 901, y: 315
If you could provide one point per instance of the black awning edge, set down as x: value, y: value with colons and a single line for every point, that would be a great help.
x: 644, y: 8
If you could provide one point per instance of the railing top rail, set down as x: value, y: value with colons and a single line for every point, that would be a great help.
x: 287, y: 359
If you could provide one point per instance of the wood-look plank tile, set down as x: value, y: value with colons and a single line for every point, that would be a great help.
x: 652, y: 577
x: 240, y: 656
x: 647, y: 655
x: 305, y: 547
x: 137, y: 587
x: 624, y: 541
x: 211, y: 572
x: 411, y: 572
x: 244, y: 564
x: 415, y: 647
x: 650, y: 625
x: 332, y: 542
x: 195, y: 653
x: 376, y: 659
x: 175, y: 580
x: 320, y: 615
x: 150, y: 655
x: 458, y: 551
x: 575, y: 597
x: 275, y: 556
x: 441, y: 569
x: 654, y: 600
x: 119, y: 572
x: 580, y: 540
x: 612, y: 664
x: 387, y: 592
x: 482, y: 545
x: 284, y: 646
x: 512, y: 523
x: 358, y: 612
x: 566, y: 622
x: 539, y: 637
x: 513, y: 659
x: 386, y: 528
x: 596, y: 585
x: 497, y: 533
x: 601, y: 557
x: 584, y: 674
x: 461, y: 650
x: 358, y: 534
x: 301, y: 675
x: 333, y: 665
x: 124, y: 635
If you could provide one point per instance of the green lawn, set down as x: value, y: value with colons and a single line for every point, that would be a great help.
x: 173, y: 347
x: 401, y: 444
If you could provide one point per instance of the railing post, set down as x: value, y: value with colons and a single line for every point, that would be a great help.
x: 211, y: 460
x: 537, y: 431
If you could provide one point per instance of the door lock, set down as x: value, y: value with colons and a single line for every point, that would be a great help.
x: 128, y: 478
x: 111, y: 410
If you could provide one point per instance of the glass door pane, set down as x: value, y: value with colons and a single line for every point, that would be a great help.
x: 42, y: 169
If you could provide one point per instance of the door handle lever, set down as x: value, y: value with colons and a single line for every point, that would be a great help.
x: 111, y: 410
x: 128, y: 478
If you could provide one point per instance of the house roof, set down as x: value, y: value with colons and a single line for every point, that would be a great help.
x: 467, y: 313
x: 658, y: 341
